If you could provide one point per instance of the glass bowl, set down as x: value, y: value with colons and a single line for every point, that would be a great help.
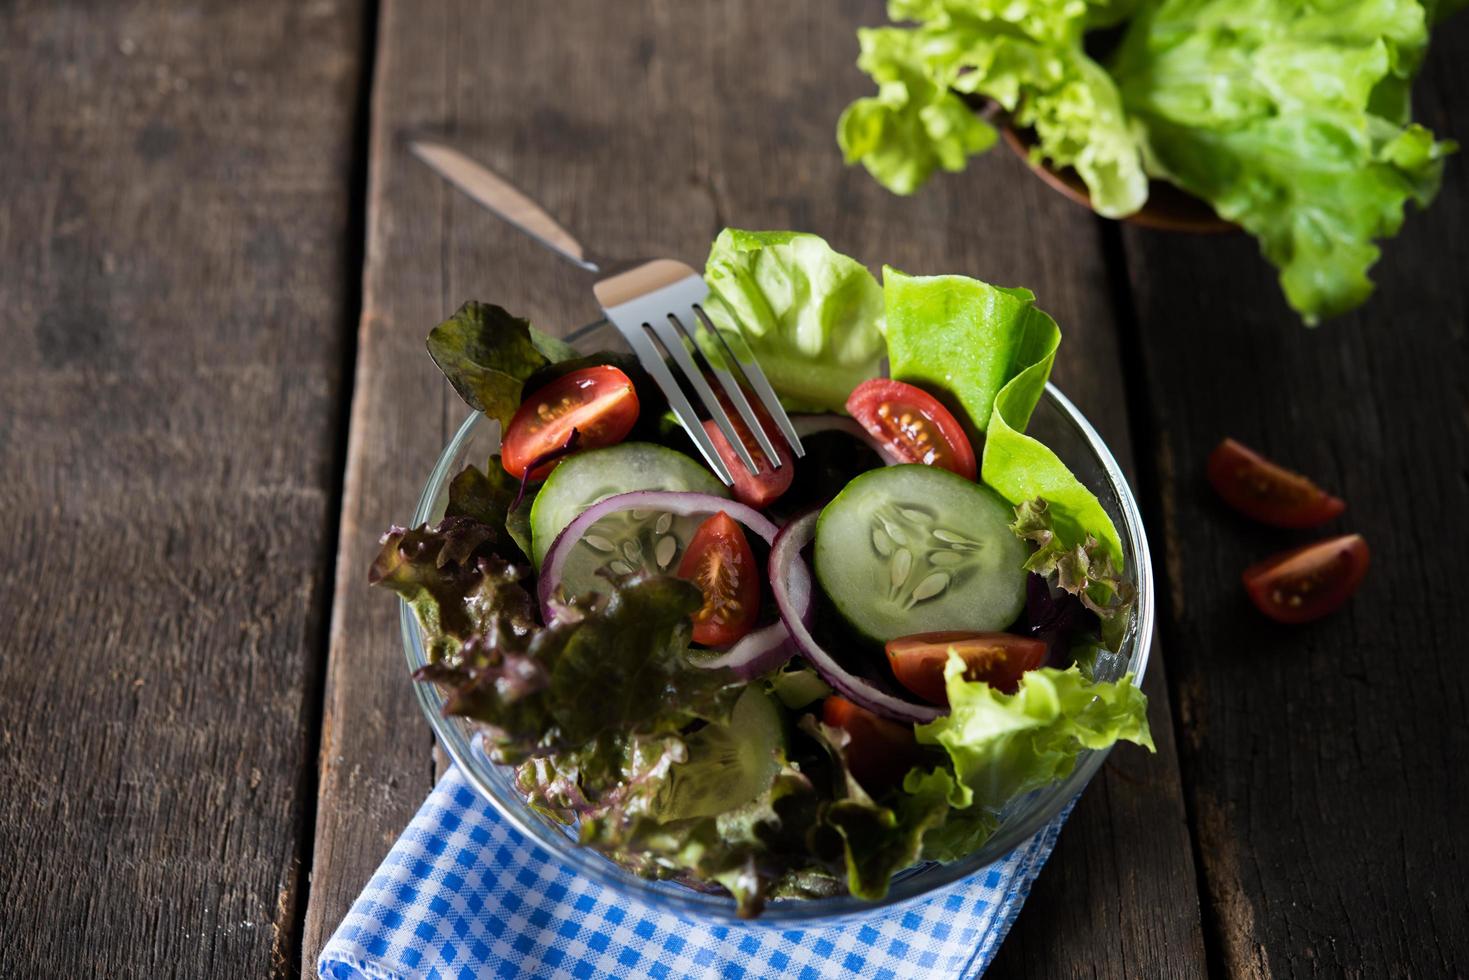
x: 1061, y: 427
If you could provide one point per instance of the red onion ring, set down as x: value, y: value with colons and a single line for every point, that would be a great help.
x: 785, y: 581
x: 809, y: 425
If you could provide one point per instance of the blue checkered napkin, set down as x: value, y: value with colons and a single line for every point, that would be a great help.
x: 462, y: 894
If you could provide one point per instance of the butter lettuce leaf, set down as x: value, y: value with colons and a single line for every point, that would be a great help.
x: 962, y: 340
x: 811, y: 316
x: 1005, y: 745
x: 1021, y: 468
x: 1291, y: 119
x: 915, y: 124
x: 1027, y: 57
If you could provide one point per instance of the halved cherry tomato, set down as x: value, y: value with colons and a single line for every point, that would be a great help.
x: 912, y: 424
x: 1307, y: 583
x: 719, y: 561
x: 998, y: 659
x: 599, y: 402
x: 880, y: 752
x: 1266, y: 491
x: 756, y: 489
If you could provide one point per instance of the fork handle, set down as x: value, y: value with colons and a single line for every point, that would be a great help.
x: 505, y: 200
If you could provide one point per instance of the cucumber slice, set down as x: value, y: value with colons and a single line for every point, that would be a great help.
x: 598, y: 474
x: 624, y: 542
x: 728, y: 765
x: 912, y: 549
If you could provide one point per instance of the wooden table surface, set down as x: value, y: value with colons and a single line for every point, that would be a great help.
x: 217, y: 267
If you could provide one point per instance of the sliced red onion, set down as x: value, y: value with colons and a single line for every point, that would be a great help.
x: 769, y: 647
x: 758, y: 651
x: 809, y: 425
x: 788, y: 572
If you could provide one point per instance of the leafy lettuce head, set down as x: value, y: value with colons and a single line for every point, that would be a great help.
x: 1027, y: 57
x: 1004, y: 745
x: 1288, y: 117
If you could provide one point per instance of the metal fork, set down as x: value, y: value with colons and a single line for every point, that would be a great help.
x: 653, y: 303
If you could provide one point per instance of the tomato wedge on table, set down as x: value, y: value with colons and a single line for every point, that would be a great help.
x: 755, y: 489
x: 998, y: 659
x: 719, y: 561
x: 598, y: 402
x: 879, y: 752
x: 1305, y: 584
x: 913, y: 425
x: 1266, y: 491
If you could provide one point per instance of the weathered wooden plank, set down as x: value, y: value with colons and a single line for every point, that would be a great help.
x: 688, y: 118
x: 374, y: 765
x: 1324, y: 764
x: 173, y: 240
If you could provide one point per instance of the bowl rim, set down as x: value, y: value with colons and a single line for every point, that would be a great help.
x: 908, y: 886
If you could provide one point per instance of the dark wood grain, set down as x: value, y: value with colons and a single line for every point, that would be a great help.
x: 1324, y: 764
x: 172, y: 249
x: 686, y: 118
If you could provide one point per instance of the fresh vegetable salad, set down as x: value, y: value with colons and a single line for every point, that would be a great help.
x: 802, y: 684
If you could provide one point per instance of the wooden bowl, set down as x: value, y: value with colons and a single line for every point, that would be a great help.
x: 1167, y: 207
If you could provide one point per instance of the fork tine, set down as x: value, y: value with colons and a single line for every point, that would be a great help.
x: 671, y: 334
x: 653, y: 363
x: 736, y: 396
x: 750, y: 368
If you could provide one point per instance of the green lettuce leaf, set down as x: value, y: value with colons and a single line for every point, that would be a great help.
x: 878, y: 839
x: 487, y: 354
x: 915, y: 124
x: 1004, y: 347
x: 966, y: 826
x: 1004, y: 745
x: 517, y: 523
x: 798, y: 687
x: 1291, y: 120
x: 1021, y: 468
x: 1026, y: 56
x: 811, y: 316
x: 770, y: 841
x: 962, y: 340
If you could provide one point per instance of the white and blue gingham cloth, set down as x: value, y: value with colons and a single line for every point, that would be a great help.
x: 462, y: 895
